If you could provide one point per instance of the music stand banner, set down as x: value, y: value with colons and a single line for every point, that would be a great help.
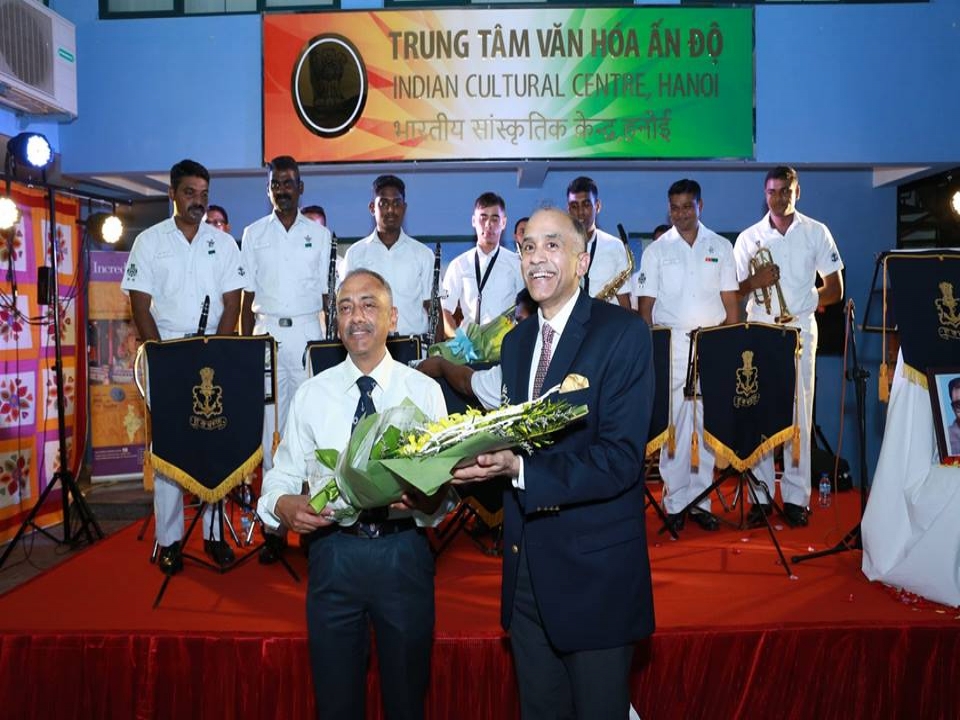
x: 923, y: 293
x: 324, y: 354
x: 206, y: 409
x: 748, y: 378
x: 660, y: 420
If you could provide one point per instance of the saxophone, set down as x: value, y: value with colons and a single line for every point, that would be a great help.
x: 433, y: 317
x: 332, y: 290
x: 609, y: 291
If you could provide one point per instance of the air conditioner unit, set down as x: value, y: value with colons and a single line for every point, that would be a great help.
x: 38, y: 60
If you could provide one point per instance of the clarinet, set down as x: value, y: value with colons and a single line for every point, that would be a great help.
x: 204, y: 313
x: 332, y: 290
x: 433, y: 317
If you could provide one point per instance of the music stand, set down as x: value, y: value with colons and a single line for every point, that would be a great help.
x: 323, y: 354
x: 197, y: 388
x: 747, y: 408
x: 853, y: 539
x: 658, y: 435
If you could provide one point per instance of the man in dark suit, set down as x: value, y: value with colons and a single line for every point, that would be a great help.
x: 576, y: 575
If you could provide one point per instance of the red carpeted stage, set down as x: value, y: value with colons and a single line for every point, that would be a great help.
x: 735, y: 637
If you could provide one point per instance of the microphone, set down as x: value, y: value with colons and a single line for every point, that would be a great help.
x: 204, y: 312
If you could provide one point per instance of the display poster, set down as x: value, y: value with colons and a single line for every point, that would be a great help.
x: 117, y: 427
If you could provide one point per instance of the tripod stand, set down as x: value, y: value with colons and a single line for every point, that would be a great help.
x: 853, y: 539
x: 63, y: 476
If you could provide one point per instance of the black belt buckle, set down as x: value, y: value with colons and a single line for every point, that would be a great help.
x: 285, y: 322
x: 370, y: 530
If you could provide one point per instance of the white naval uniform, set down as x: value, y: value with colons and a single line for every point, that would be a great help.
x: 288, y: 272
x: 686, y: 282
x: 499, y: 292
x: 407, y: 266
x: 178, y: 274
x: 609, y: 260
x: 807, y: 249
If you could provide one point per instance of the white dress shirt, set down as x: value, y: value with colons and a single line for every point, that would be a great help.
x: 288, y: 270
x: 177, y: 274
x: 686, y: 280
x: 558, y: 322
x: 609, y: 259
x: 321, y: 416
x: 499, y: 292
x: 805, y: 250
x: 408, y: 266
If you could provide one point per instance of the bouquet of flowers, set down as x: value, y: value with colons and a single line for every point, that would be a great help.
x: 475, y: 343
x: 400, y: 447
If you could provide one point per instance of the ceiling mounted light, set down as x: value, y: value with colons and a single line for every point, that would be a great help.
x: 105, y: 227
x: 955, y: 202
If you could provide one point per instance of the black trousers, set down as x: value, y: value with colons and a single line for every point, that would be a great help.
x: 386, y: 582
x: 581, y: 685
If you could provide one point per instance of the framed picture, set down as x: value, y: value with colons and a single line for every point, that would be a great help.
x: 944, y: 386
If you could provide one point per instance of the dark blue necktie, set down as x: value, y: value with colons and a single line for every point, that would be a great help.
x: 365, y: 404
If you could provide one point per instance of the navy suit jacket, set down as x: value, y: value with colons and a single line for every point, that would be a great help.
x: 580, y: 517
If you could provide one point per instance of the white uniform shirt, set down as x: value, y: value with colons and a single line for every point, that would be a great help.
x: 321, y: 416
x: 686, y: 280
x: 807, y: 249
x: 288, y: 270
x: 178, y: 274
x: 487, y: 386
x: 407, y: 266
x: 499, y: 292
x: 609, y: 260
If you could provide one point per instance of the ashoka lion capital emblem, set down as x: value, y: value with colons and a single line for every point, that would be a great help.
x: 207, y: 403
x: 748, y: 382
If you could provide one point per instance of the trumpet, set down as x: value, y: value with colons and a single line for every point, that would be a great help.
x: 762, y: 260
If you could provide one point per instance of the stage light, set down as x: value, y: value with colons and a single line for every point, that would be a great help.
x: 955, y: 202
x: 30, y: 149
x: 105, y: 227
x: 9, y: 213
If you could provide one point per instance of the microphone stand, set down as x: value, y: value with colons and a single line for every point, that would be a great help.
x: 63, y: 475
x: 853, y: 540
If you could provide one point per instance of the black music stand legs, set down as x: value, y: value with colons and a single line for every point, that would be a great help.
x: 219, y: 519
x: 747, y: 484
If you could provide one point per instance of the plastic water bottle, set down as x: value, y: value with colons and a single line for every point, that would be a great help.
x: 825, y: 490
x: 246, y: 513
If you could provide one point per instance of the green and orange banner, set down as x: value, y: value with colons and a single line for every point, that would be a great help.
x: 509, y: 84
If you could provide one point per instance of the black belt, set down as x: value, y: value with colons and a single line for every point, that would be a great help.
x: 378, y: 529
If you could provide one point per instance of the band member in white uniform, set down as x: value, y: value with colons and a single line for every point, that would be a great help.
x: 484, y: 281
x: 403, y: 261
x: 173, y: 266
x: 688, y: 279
x: 608, y: 256
x: 801, y: 248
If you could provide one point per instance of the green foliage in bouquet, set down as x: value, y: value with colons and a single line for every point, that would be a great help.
x: 478, y: 343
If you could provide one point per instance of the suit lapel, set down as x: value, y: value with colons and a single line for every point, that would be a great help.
x: 573, y: 336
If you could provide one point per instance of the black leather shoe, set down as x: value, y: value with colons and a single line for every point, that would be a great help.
x: 756, y: 515
x: 708, y: 521
x: 170, y: 560
x: 273, y: 545
x: 675, y: 520
x: 796, y: 515
x: 221, y: 553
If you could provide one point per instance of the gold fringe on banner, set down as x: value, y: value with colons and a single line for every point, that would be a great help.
x: 658, y: 442
x: 275, y: 443
x: 695, y: 451
x: 671, y: 439
x: 723, y: 452
x: 884, y: 389
x: 915, y: 376
x: 189, y: 483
